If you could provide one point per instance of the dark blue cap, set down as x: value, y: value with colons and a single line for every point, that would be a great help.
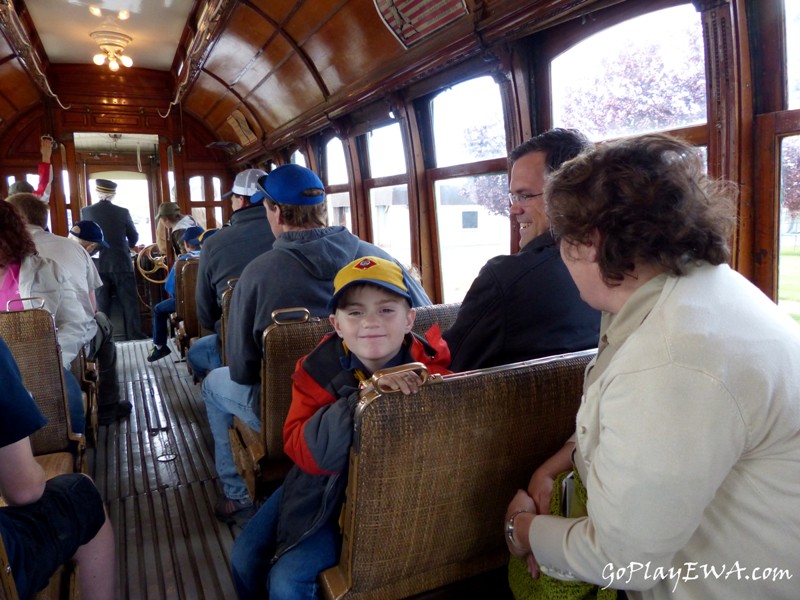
x: 89, y: 231
x: 190, y: 235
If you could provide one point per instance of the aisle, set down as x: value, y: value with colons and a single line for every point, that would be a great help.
x: 156, y: 473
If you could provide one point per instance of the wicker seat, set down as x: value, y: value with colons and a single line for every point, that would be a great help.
x: 85, y: 372
x: 225, y: 305
x: 259, y: 457
x: 434, y: 473
x: 188, y: 326
x: 31, y: 336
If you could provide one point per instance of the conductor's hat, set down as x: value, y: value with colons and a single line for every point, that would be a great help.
x: 105, y: 186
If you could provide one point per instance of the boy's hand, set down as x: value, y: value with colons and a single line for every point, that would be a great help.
x: 407, y: 382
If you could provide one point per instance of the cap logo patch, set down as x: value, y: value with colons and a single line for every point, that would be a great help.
x: 312, y: 192
x: 367, y: 263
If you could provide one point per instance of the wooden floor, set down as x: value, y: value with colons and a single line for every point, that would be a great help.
x: 156, y: 473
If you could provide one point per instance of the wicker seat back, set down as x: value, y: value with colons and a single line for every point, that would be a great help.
x: 434, y: 472
x: 185, y: 306
x: 225, y: 305
x: 31, y: 336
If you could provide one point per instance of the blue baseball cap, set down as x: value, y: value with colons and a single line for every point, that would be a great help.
x: 292, y: 184
x: 89, y: 231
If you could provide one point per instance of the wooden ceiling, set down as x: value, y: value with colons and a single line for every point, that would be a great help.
x: 258, y: 73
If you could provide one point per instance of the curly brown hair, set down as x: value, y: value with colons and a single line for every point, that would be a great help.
x: 644, y: 199
x: 15, y: 241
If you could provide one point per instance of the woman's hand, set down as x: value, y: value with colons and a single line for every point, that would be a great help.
x: 523, y: 509
x: 540, y: 489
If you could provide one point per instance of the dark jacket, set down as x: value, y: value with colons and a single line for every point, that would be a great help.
x: 319, y: 430
x: 298, y: 271
x: 118, y: 230
x: 520, y: 307
x: 225, y: 255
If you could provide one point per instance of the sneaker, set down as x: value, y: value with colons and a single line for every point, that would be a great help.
x: 106, y: 415
x: 234, y: 512
x: 158, y: 352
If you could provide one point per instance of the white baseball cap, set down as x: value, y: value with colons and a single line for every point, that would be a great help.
x: 245, y: 183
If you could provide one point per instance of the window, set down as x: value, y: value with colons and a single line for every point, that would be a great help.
x: 338, y: 196
x: 789, y: 259
x: 196, y: 191
x: 645, y: 74
x: 467, y: 242
x: 390, y: 221
x: 792, y: 8
x: 470, y: 182
x: 132, y: 193
x: 335, y: 162
x: 388, y: 192
x: 386, y: 152
x: 339, y: 210
x: 298, y: 158
x: 468, y: 123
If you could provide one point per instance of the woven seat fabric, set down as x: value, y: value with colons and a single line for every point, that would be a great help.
x: 284, y: 345
x: 187, y: 325
x: 433, y: 472
x: 225, y: 305
x: 31, y: 337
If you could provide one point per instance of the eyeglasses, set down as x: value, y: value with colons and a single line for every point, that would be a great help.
x: 522, y: 198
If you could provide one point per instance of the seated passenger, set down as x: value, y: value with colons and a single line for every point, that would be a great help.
x: 165, y: 308
x: 174, y: 224
x: 525, y: 305
x: 225, y: 258
x: 298, y: 271
x: 25, y: 274
x: 688, y: 436
x: 99, y: 338
x: 296, y: 535
x: 46, y: 523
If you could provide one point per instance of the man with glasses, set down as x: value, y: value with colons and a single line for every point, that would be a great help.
x: 526, y: 305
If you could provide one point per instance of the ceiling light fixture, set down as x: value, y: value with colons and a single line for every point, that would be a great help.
x: 112, y: 47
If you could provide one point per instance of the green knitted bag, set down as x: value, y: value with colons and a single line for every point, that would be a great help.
x: 549, y: 588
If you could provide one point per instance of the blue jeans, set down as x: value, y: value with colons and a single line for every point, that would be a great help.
x: 161, y: 313
x: 204, y: 356
x: 294, y: 575
x: 225, y: 398
x: 77, y: 416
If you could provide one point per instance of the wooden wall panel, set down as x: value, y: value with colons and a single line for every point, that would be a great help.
x: 276, y: 53
x: 344, y: 59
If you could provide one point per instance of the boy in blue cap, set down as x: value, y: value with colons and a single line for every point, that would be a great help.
x: 295, y: 535
x: 165, y: 308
